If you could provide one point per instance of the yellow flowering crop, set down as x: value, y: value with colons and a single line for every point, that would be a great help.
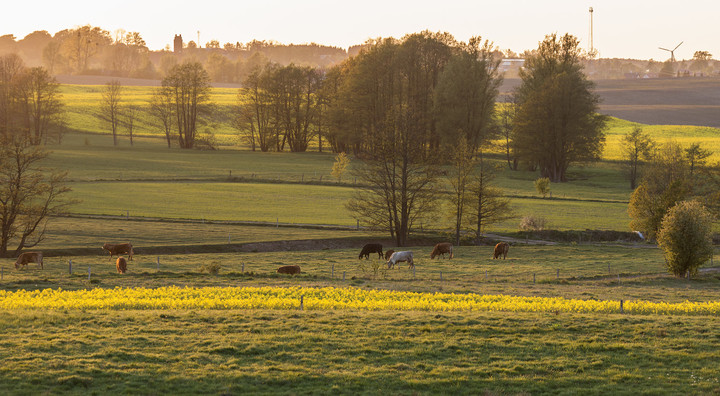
x: 327, y: 298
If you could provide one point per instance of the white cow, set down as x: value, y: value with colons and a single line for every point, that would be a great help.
x: 396, y: 257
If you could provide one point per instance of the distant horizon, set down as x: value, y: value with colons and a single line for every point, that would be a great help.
x: 621, y: 29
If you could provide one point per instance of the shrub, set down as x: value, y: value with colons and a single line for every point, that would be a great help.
x: 685, y: 237
x: 211, y: 268
x: 532, y: 223
x: 542, y: 185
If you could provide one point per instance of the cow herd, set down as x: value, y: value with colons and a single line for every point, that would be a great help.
x: 441, y: 249
x: 393, y: 257
x: 115, y: 249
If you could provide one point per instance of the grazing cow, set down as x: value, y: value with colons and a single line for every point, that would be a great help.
x: 371, y: 248
x: 29, y: 257
x: 441, y: 249
x: 119, y: 248
x: 388, y: 254
x: 121, y: 265
x: 397, y: 257
x: 501, y: 249
x: 289, y: 269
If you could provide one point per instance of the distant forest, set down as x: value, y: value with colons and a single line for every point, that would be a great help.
x: 89, y: 50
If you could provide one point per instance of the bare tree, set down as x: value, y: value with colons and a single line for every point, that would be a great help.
x: 638, y: 147
x: 162, y: 109
x: 11, y: 67
x: 490, y: 205
x: 129, y: 115
x: 40, y: 107
x: 188, y: 85
x: 254, y: 109
x: 110, y: 107
x: 398, y: 175
x: 29, y: 195
x: 462, y: 158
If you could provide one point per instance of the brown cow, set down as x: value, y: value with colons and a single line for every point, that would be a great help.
x: 371, y: 248
x: 289, y: 269
x: 501, y: 249
x: 29, y: 257
x: 119, y: 248
x: 388, y: 254
x: 121, y: 265
x: 441, y: 249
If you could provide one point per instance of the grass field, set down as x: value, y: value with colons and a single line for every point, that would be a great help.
x: 149, y: 180
x: 189, y: 212
x: 285, y: 352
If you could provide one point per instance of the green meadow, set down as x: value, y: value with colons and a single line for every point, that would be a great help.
x: 231, y: 217
x: 365, y: 352
x: 351, y: 353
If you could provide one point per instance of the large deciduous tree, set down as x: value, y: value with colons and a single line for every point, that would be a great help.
x: 557, y: 122
x: 29, y: 195
x: 465, y: 95
x: 40, y: 107
x: 30, y: 102
x: 665, y: 182
x: 385, y: 96
x: 188, y: 86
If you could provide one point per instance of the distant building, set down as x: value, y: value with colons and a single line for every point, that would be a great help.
x: 178, y: 44
x: 511, y: 64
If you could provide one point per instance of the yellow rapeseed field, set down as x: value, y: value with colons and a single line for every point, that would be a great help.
x: 326, y: 299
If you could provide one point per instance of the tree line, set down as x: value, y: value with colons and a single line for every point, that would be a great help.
x: 95, y: 51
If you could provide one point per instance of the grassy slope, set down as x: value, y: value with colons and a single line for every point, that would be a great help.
x: 151, y: 180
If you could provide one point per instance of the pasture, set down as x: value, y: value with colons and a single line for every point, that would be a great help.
x: 230, y: 218
x: 349, y: 351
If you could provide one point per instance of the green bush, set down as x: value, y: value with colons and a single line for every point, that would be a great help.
x: 686, y: 237
x: 542, y: 185
x: 212, y: 268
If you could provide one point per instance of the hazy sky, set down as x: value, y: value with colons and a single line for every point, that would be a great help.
x: 622, y: 29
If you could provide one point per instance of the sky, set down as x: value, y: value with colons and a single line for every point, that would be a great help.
x: 621, y: 29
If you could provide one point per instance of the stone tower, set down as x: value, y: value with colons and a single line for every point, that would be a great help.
x: 178, y: 44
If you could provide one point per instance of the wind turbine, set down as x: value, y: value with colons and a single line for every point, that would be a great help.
x: 672, y: 51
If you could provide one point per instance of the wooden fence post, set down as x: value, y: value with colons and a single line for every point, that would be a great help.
x: 557, y: 275
x: 70, y: 266
x: 440, y: 275
x: 158, y: 263
x: 332, y: 272
x: 301, y: 302
x: 343, y: 275
x: 243, y: 268
x: 621, y: 306
x: 88, y: 272
x: 533, y: 278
